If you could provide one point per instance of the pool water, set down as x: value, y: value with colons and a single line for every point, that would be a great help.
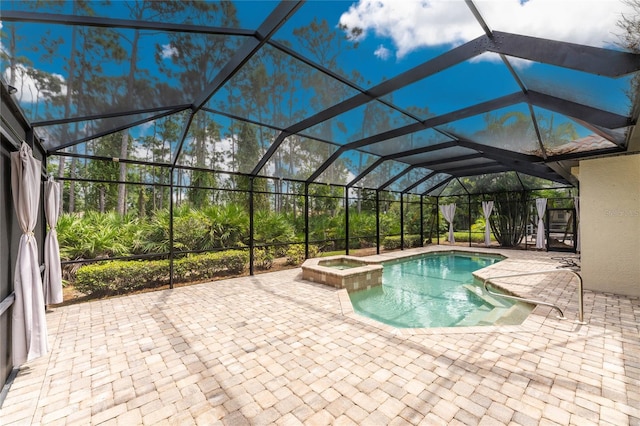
x: 428, y: 291
x: 341, y: 264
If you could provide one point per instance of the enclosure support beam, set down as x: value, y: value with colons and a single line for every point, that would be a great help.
x: 306, y: 220
x: 271, y: 24
x: 183, y: 136
x: 477, y: 109
x: 171, y: 188
x: 438, y: 219
x: 418, y: 182
x: 421, y: 221
x: 594, y: 116
x: 365, y: 172
x: 422, y: 150
x: 251, y: 228
x: 433, y: 188
x: 396, y: 177
x: 469, y: 216
x: 133, y: 24
x: 440, y: 164
x: 444, y: 61
x: 346, y: 219
x: 324, y: 166
x: 401, y: 221
x: 592, y: 60
x: 115, y: 129
x: 377, y: 221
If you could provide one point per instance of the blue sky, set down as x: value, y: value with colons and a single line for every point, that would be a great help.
x: 399, y: 35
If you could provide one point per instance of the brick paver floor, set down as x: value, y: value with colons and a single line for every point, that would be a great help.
x: 273, y: 349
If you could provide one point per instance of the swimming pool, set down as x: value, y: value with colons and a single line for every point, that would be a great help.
x: 435, y: 290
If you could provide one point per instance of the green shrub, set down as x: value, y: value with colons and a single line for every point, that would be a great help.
x: 117, y: 277
x: 463, y: 237
x: 207, y: 265
x: 295, y: 253
x: 263, y: 258
x: 394, y: 242
x: 95, y: 235
x: 273, y: 228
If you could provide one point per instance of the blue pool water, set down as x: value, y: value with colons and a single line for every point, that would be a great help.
x: 424, y: 292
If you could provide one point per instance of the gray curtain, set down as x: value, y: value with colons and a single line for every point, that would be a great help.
x: 487, y: 208
x: 449, y: 212
x: 53, y: 271
x: 29, y: 326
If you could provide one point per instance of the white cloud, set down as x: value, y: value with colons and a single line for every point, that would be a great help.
x: 516, y: 63
x: 590, y: 22
x: 168, y: 51
x: 414, y: 24
x: 28, y: 91
x: 382, y: 52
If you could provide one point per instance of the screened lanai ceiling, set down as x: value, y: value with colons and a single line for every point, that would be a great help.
x: 428, y: 97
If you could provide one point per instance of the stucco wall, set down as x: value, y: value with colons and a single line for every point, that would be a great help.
x: 610, y: 224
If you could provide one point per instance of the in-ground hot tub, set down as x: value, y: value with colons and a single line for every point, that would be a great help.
x: 348, y: 272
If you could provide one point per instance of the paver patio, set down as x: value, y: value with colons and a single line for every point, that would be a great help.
x: 273, y: 349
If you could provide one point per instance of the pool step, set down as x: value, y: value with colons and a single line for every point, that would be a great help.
x: 475, y: 318
x: 515, y: 314
x: 496, y: 316
x: 490, y: 300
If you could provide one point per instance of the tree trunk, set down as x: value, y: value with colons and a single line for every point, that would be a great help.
x: 122, y: 189
x: 101, y: 200
x: 60, y: 175
x: 141, y: 209
x: 72, y: 185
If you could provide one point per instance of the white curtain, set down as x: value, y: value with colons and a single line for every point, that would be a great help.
x: 541, y: 206
x: 487, y: 208
x: 53, y: 271
x: 449, y: 212
x: 29, y: 326
x: 576, y: 204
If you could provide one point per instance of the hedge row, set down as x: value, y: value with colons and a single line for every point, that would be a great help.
x: 463, y: 237
x: 392, y: 243
x: 117, y: 277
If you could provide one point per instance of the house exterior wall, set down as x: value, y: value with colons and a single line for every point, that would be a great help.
x: 14, y: 129
x: 610, y: 224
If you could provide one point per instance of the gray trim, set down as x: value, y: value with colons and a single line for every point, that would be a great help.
x: 593, y: 60
x: 590, y: 114
x: 7, y: 302
x: 7, y: 385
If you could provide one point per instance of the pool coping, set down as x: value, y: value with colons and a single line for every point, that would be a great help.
x: 532, y: 323
x: 368, y: 274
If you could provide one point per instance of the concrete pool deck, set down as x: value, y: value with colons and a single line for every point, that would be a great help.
x: 274, y: 349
